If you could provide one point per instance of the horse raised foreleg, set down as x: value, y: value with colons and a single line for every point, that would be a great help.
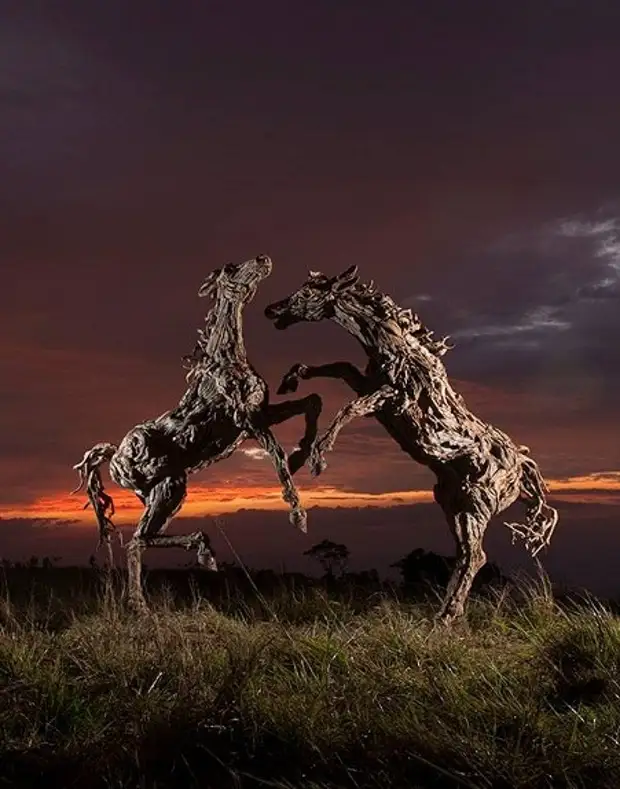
x: 267, y: 441
x: 345, y: 371
x: 310, y: 407
x: 361, y: 406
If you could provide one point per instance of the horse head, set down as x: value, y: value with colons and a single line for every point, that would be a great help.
x: 314, y: 300
x: 237, y: 281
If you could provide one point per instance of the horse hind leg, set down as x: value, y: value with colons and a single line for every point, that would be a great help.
x: 198, y: 541
x: 162, y: 503
x: 136, y: 599
x: 468, y: 531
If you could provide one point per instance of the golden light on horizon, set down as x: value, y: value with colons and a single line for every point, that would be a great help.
x: 208, y: 501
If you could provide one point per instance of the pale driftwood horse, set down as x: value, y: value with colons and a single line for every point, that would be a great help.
x: 480, y: 471
x: 226, y: 402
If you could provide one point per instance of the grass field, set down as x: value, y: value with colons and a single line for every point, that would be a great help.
x: 301, y: 687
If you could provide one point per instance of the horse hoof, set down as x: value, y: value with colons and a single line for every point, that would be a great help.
x: 206, y: 559
x: 299, y: 519
x: 317, y: 466
x: 447, y: 619
x: 207, y: 562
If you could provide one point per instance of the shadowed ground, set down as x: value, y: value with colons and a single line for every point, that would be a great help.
x: 301, y: 685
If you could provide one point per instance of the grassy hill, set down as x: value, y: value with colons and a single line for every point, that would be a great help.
x: 301, y: 686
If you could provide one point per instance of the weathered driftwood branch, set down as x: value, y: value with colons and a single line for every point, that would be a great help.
x: 480, y: 471
x: 226, y: 402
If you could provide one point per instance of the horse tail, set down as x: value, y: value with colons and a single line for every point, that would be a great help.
x: 101, y: 502
x: 540, y: 518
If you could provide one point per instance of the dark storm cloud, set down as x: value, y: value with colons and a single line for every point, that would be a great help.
x: 546, y: 312
x: 436, y: 145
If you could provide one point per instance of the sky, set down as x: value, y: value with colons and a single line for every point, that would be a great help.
x: 463, y: 154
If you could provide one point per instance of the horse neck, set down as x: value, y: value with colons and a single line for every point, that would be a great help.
x: 375, y: 335
x: 224, y: 331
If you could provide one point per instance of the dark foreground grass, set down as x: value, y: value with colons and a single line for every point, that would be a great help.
x: 301, y: 690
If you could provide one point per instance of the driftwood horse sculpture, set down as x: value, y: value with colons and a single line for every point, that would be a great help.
x: 480, y: 471
x: 226, y: 402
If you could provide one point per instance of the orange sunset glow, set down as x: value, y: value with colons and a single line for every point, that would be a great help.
x: 202, y: 500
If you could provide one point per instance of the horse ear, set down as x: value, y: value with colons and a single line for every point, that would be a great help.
x: 350, y: 272
x: 208, y: 287
x: 347, y: 279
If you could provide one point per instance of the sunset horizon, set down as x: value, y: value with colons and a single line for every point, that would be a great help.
x: 602, y: 487
x: 455, y: 169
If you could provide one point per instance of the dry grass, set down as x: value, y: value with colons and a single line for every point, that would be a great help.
x: 303, y: 691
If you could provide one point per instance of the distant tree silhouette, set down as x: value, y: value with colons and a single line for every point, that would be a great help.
x: 424, y: 570
x: 330, y: 555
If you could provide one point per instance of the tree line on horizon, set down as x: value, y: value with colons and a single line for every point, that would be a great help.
x: 418, y: 569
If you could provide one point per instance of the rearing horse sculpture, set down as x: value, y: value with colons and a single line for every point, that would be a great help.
x: 226, y: 402
x: 480, y: 471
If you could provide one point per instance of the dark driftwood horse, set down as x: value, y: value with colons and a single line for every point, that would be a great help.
x: 226, y: 402
x: 480, y: 471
